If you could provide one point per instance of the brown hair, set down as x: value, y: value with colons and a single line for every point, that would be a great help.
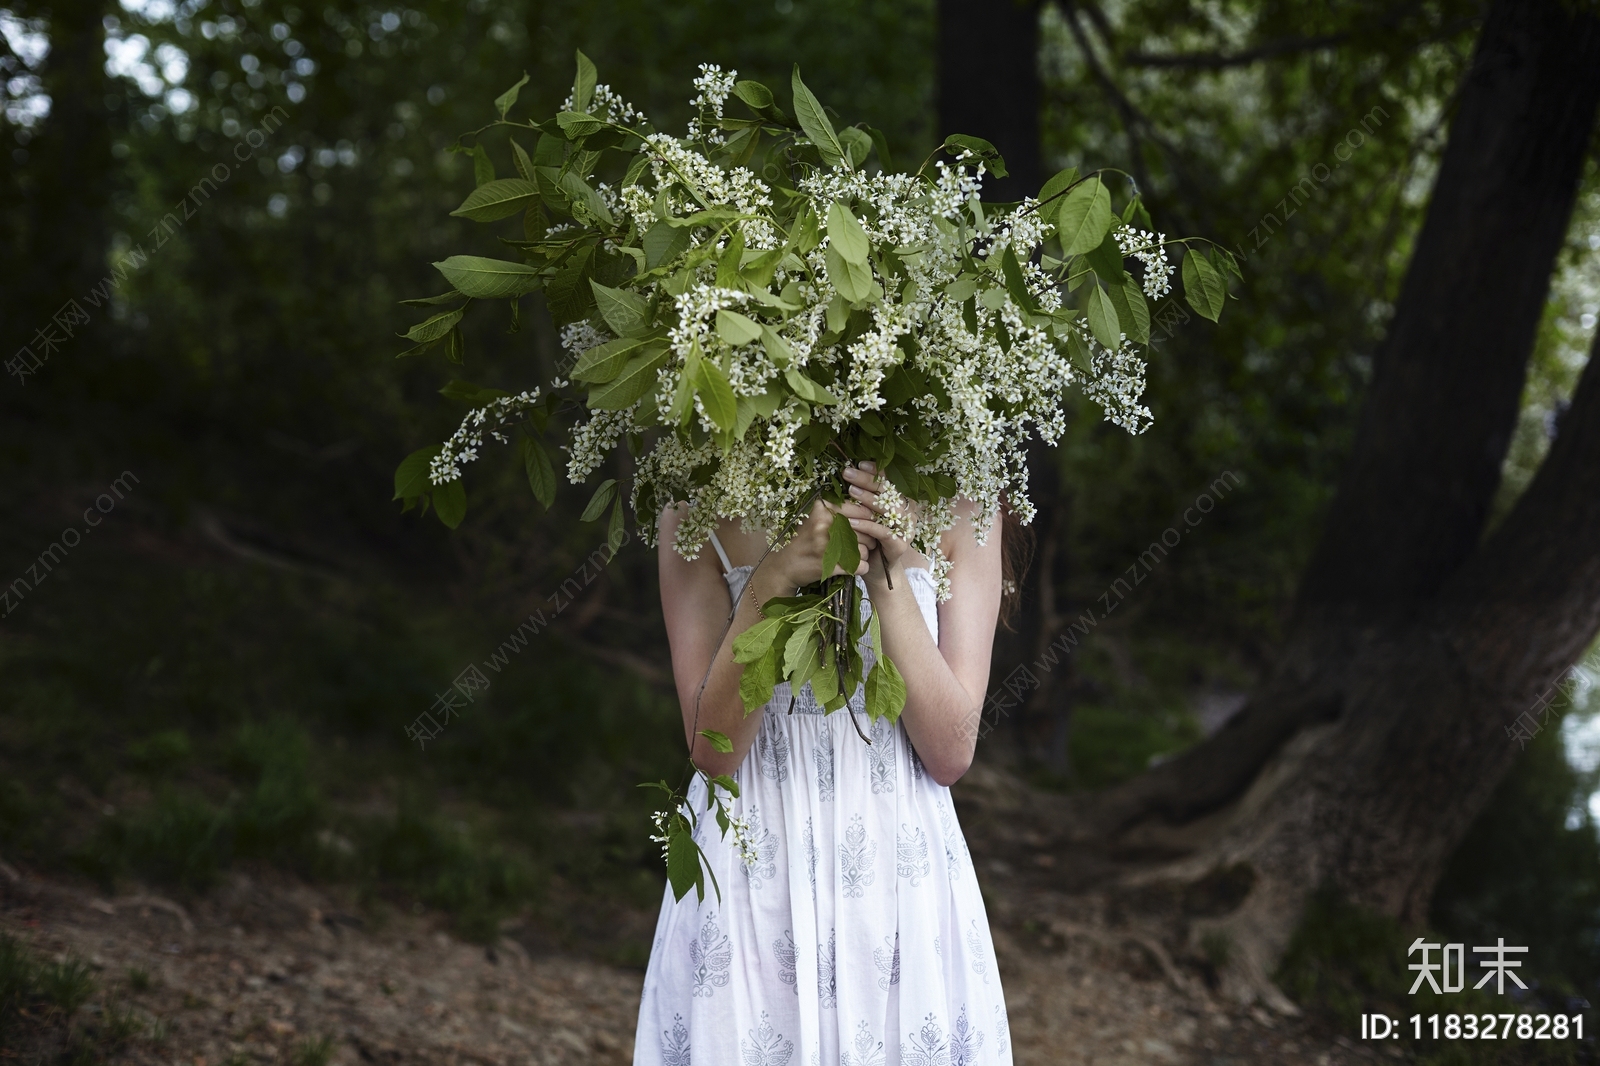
x: 1016, y: 553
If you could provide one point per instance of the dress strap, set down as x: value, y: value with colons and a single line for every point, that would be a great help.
x: 727, y: 567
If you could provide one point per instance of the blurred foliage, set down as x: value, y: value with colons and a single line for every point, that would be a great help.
x: 222, y: 674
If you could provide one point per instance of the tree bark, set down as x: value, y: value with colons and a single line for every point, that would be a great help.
x: 989, y: 85
x: 1373, y: 804
x: 1412, y: 505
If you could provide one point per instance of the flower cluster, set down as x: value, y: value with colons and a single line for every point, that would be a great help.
x: 779, y: 315
x: 463, y: 445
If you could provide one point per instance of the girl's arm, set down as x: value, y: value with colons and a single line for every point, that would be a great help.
x: 945, y: 682
x: 694, y: 601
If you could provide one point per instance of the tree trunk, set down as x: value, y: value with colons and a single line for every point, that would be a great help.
x: 1411, y: 507
x: 989, y: 85
x: 1373, y: 804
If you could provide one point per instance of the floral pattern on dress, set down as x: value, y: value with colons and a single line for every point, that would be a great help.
x: 809, y: 842
x: 856, y: 857
x: 980, y: 964
x: 887, y: 959
x: 827, y: 972
x: 880, y: 756
x: 711, y: 959
x: 916, y: 763
x: 911, y: 851
x: 765, y: 868
x: 1002, y: 1029
x: 864, y: 1049
x: 766, y: 1046
x: 675, y: 1043
x: 966, y: 1040
x: 955, y: 849
x: 772, y: 751
x: 784, y: 949
x: 822, y: 757
x: 925, y: 1046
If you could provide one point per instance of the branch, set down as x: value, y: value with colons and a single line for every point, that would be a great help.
x: 1285, y: 46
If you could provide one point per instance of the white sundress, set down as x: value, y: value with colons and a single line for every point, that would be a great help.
x: 858, y: 938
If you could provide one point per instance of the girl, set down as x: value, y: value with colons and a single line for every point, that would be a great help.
x: 858, y: 935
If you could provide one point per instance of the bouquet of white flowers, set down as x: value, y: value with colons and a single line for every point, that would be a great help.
x: 753, y: 305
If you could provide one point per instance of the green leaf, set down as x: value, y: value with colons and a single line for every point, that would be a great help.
x: 1106, y: 259
x: 489, y: 279
x: 1078, y: 352
x: 853, y: 280
x: 604, y: 362
x: 625, y: 312
x: 778, y: 349
x: 1203, y: 286
x: 411, y: 476
x: 1058, y: 183
x: 497, y: 199
x: 568, y: 294
x: 846, y: 234
x: 433, y: 301
x: 881, y: 143
x: 1102, y: 315
x: 885, y: 691
x: 597, y: 503
x: 431, y: 330
x: 807, y: 389
x: 825, y: 679
x: 635, y: 379
x: 737, y: 329
x: 503, y: 102
x: 583, y: 84
x: 664, y: 242
x: 728, y: 266
x: 482, y: 166
x: 805, y: 235
x: 756, y: 641
x: 1016, y: 283
x: 584, y: 197
x: 800, y: 655
x: 576, y: 124
x: 843, y: 550
x: 718, y: 740
x: 519, y: 156
x: 1132, y: 312
x: 814, y: 121
x: 979, y: 147
x: 753, y: 93
x: 450, y: 502
x: 727, y: 783
x: 541, y: 475
x: 758, y: 679
x: 857, y: 144
x: 1085, y: 216
x: 1135, y: 214
x: 467, y: 392
x: 716, y: 394
x: 616, y: 529
x: 683, y: 860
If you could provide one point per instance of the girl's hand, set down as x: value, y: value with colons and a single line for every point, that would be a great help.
x: 799, y: 562
x: 866, y: 510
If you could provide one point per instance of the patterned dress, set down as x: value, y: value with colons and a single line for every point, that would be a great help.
x: 858, y: 938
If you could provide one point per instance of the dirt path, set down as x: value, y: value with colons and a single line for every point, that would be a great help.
x: 262, y: 969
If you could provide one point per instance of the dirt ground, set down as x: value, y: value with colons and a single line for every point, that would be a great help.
x: 262, y: 968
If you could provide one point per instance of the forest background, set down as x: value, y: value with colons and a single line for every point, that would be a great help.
x: 222, y: 668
